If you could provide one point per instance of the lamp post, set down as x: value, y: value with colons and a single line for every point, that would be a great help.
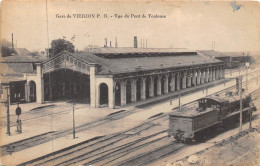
x: 241, y: 109
x: 243, y: 60
x: 247, y: 66
x: 73, y: 107
x: 250, y: 115
x: 171, y: 95
x: 179, y: 95
x: 239, y: 82
x: 7, y: 110
x: 179, y: 100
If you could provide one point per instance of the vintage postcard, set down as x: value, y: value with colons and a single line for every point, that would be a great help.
x: 131, y: 83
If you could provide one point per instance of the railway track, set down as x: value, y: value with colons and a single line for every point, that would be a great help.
x: 36, y: 140
x: 144, y: 159
x: 121, y: 152
x: 107, y: 146
x: 23, y: 144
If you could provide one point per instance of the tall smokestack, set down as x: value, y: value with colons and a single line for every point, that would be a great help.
x: 135, y: 41
x: 105, y: 45
x: 116, y: 43
x: 47, y: 52
x: 12, y: 43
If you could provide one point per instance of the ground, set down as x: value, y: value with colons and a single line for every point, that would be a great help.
x: 238, y: 150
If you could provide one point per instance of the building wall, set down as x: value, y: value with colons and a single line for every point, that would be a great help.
x: 37, y: 78
x: 182, y: 79
x: 110, y: 83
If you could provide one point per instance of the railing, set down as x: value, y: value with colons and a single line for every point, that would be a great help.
x: 61, y: 62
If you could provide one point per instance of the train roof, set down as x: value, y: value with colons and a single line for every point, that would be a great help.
x: 216, y: 98
x: 221, y: 98
x: 190, y: 110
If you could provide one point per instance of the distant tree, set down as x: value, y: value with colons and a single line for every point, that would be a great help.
x: 90, y: 47
x: 34, y: 53
x: 6, y: 48
x: 60, y: 45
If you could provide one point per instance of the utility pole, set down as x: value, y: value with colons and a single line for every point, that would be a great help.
x: 250, y: 116
x: 74, y: 132
x: 12, y: 43
x: 171, y: 95
x: 247, y: 66
x: 179, y: 100
x: 7, y: 111
x: 241, y: 109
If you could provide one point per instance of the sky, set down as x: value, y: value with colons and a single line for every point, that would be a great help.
x: 232, y: 26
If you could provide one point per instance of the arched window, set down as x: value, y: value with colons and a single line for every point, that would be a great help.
x: 103, y: 94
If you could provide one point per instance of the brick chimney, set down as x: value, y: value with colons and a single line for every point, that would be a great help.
x: 135, y: 41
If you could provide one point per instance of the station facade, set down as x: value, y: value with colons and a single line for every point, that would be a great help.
x: 113, y: 77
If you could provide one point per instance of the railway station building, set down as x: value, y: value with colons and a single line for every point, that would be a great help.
x: 109, y: 77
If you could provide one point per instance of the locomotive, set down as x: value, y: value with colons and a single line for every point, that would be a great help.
x: 206, y: 115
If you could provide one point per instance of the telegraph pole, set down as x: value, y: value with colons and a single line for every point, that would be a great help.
x: 247, y: 66
x: 171, y: 95
x: 240, y: 92
x: 12, y: 43
x: 250, y: 117
x: 74, y: 132
x: 179, y: 100
x: 7, y: 111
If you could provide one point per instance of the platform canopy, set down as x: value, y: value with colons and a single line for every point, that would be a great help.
x: 128, y: 60
x: 65, y: 60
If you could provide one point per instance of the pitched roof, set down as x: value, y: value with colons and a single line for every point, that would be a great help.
x: 126, y: 65
x: 24, y: 58
x: 212, y: 53
x: 14, y: 68
x: 22, y: 51
x: 119, y: 50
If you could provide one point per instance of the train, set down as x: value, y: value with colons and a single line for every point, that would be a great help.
x: 197, y: 119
